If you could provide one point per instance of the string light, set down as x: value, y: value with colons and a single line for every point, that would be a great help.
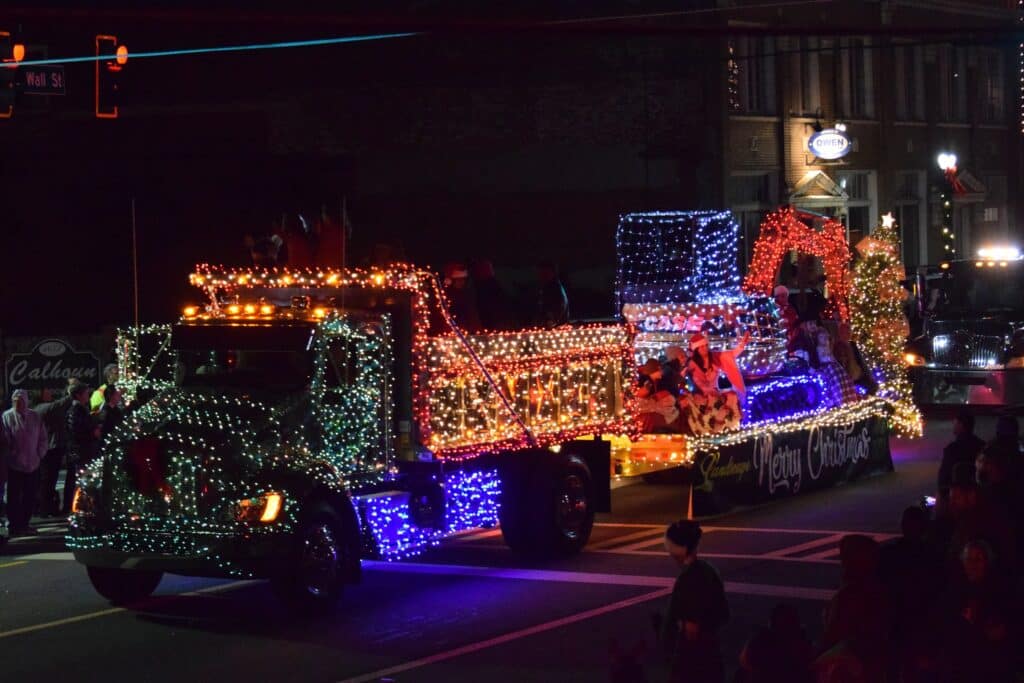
x: 678, y: 274
x: 879, y: 326
x: 732, y: 79
x: 781, y: 232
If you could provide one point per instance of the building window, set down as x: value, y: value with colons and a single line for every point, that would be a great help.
x: 910, y: 208
x: 750, y: 196
x: 755, y: 61
x: 952, y: 70
x: 991, y: 87
x: 991, y: 214
x: 909, y: 82
x: 860, y: 212
x: 810, y: 76
x: 854, y: 80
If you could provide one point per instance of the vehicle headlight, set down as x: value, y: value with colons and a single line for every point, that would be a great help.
x: 84, y: 503
x: 264, y: 508
x: 911, y: 358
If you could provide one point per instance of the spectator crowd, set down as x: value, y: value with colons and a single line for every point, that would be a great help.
x: 37, y: 442
x: 939, y: 604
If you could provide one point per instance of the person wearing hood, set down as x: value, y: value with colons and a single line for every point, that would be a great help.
x: 26, y: 439
x: 54, y: 414
x: 83, y: 440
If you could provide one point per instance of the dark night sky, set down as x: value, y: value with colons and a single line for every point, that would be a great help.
x: 199, y: 147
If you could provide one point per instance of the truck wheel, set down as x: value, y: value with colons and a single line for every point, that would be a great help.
x: 551, y: 514
x: 123, y: 586
x: 314, y: 579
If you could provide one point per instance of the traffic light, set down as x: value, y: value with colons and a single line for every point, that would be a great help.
x: 108, y: 74
x: 8, y: 73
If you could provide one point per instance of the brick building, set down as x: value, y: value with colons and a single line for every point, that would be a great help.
x: 903, y: 101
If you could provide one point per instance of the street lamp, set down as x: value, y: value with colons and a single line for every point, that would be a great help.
x: 947, y: 162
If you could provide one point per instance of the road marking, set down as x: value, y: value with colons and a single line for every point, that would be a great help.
x: 476, y: 536
x: 661, y: 553
x: 12, y: 564
x: 651, y: 534
x: 114, y: 610
x: 792, y: 550
x: 46, y: 556
x: 824, y: 556
x: 722, y: 556
x: 600, y: 578
x: 508, y: 637
x: 832, y: 532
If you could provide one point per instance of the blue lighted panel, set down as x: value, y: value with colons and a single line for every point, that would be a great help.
x: 677, y: 257
x: 471, y: 501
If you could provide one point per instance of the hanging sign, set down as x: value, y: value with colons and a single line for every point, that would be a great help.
x: 830, y: 144
x: 51, y: 364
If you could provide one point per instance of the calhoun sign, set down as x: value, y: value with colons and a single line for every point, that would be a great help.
x: 51, y: 363
x: 830, y: 144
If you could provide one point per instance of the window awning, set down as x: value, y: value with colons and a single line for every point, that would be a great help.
x: 817, y: 190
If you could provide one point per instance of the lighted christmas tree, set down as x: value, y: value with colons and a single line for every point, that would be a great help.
x: 878, y: 324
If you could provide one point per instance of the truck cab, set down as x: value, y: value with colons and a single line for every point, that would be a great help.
x: 300, y: 422
x: 971, y: 346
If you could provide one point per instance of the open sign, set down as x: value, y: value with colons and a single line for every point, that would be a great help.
x: 830, y: 144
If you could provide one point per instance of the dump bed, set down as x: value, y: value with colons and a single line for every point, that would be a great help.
x: 549, y: 384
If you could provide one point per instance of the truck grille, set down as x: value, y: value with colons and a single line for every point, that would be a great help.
x: 966, y: 350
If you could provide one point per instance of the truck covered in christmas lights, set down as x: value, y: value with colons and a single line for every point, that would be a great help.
x: 300, y: 420
x: 970, y: 347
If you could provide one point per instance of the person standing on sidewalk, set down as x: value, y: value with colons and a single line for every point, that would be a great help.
x: 83, y: 441
x: 27, y: 442
x: 54, y: 414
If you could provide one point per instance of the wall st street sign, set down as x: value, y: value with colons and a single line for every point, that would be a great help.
x: 830, y: 144
x: 41, y: 80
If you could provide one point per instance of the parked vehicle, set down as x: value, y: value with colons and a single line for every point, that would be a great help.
x: 971, y: 350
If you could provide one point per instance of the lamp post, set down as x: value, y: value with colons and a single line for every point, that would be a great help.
x: 947, y: 163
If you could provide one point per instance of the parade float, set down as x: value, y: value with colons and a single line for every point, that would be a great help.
x: 301, y: 419
x: 783, y: 419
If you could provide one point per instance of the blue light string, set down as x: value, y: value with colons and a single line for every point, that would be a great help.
x: 210, y: 50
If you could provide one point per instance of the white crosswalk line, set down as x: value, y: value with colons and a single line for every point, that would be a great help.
x: 651, y: 534
x: 792, y: 550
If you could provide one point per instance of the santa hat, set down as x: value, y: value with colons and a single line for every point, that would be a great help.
x: 697, y: 340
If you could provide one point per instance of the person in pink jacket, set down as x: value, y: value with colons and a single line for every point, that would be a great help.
x: 26, y: 445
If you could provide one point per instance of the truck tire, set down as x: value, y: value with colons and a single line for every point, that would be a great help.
x: 314, y: 576
x: 123, y: 586
x: 549, y: 514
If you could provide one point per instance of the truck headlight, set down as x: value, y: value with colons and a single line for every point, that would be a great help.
x: 265, y: 508
x: 911, y: 358
x: 84, y: 502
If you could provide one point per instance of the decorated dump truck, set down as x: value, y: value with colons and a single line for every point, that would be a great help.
x: 300, y: 420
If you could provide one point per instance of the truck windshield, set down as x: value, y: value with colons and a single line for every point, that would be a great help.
x: 967, y: 288
x: 277, y: 358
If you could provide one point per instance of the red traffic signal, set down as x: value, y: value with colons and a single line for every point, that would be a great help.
x: 8, y: 71
x: 108, y: 74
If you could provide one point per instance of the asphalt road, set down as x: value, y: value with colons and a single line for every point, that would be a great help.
x: 467, y: 611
